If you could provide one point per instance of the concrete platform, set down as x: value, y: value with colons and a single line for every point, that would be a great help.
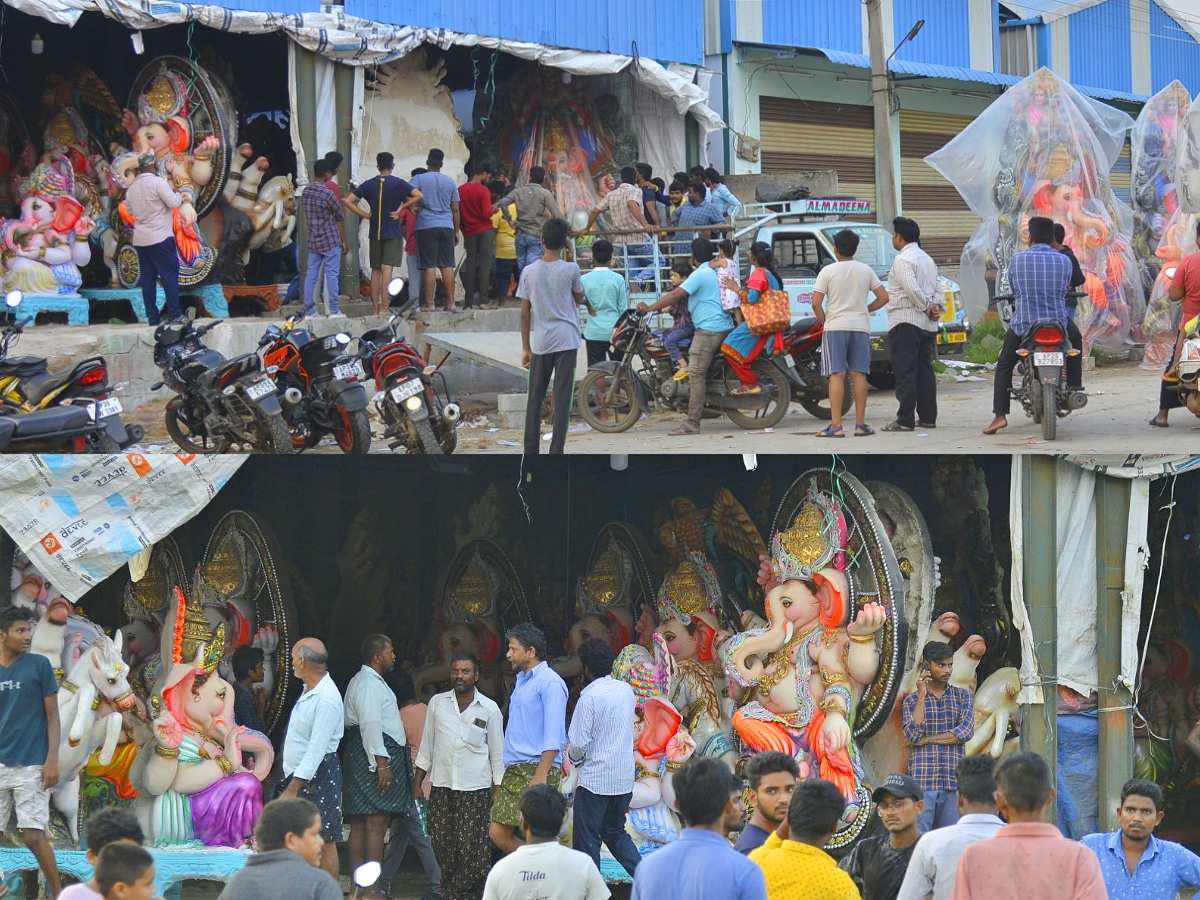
x: 497, y: 349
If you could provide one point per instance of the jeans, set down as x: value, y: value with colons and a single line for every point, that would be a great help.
x: 601, y: 818
x: 529, y: 250
x: 406, y: 829
x: 416, y: 284
x: 481, y: 250
x: 506, y: 271
x: 705, y: 346
x: 639, y: 261
x: 941, y: 810
x: 562, y: 366
x: 673, y: 339
x: 1001, y: 392
x: 912, y: 350
x: 331, y: 261
x: 160, y: 262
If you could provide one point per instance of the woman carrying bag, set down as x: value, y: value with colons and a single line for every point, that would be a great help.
x: 767, y: 312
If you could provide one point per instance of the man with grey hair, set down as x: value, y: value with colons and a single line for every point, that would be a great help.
x: 311, y: 768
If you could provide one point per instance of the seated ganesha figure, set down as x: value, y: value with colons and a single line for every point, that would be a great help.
x: 803, y: 673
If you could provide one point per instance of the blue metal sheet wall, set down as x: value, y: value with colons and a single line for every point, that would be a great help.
x: 945, y: 38
x: 1101, y: 55
x: 670, y: 30
x: 828, y: 24
x: 1173, y: 53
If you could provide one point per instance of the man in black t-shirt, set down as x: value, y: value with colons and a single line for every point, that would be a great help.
x: 878, y: 864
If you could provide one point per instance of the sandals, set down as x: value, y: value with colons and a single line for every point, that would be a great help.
x: 680, y: 374
x: 863, y: 430
x: 747, y: 390
x: 898, y: 426
x: 830, y: 432
x: 1158, y: 424
x: 683, y: 430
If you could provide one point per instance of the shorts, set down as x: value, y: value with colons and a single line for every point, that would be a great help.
x: 506, y: 809
x: 435, y: 248
x: 21, y: 787
x: 388, y: 252
x: 845, y: 351
x: 325, y: 790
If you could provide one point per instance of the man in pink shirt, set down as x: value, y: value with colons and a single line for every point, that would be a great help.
x: 1027, y: 859
x: 151, y: 202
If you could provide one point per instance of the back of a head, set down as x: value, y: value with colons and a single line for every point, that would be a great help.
x: 727, y: 247
x: 1060, y: 233
x: 703, y: 250
x: 696, y: 172
x: 597, y: 657
x: 682, y: 268
x: 659, y: 183
x: 602, y: 252
x: 1041, y: 230
x: 334, y: 159
x: 121, y: 864
x: 845, y: 242
x: 111, y: 824
x: 815, y: 809
x: 936, y: 651
x: 537, y: 175
x: 419, y: 170
x: 702, y: 788
x: 554, y: 235
x: 976, y: 776
x: 385, y: 161
x: 1024, y: 780
x: 628, y: 175
x: 711, y: 174
x: 289, y: 815
x: 320, y: 170
x: 544, y: 808
x: 496, y: 186
x: 435, y: 158
x: 909, y: 231
x: 768, y: 763
x: 645, y: 170
x: 147, y: 163
x: 245, y: 661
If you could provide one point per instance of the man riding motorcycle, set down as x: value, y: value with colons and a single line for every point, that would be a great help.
x: 1040, y: 278
x: 1184, y: 289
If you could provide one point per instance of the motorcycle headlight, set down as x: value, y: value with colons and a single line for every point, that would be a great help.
x: 342, y: 338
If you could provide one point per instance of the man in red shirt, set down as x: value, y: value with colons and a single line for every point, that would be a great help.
x: 479, y: 238
x: 1185, y: 287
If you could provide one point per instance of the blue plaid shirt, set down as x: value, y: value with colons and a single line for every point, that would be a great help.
x: 1039, y: 277
x: 322, y: 217
x: 932, y: 766
x: 690, y: 214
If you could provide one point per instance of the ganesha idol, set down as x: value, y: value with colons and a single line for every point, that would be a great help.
x: 602, y: 608
x: 193, y: 777
x: 807, y: 668
x: 44, y: 250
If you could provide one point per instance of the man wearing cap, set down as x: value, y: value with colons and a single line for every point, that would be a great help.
x: 151, y: 202
x: 878, y: 864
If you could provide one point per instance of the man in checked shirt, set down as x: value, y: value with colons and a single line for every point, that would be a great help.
x: 937, y: 721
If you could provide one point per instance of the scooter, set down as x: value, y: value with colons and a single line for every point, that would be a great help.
x: 28, y: 385
x: 1189, y: 366
x: 614, y: 393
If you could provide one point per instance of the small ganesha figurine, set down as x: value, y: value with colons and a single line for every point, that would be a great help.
x: 44, y: 250
x: 804, y: 672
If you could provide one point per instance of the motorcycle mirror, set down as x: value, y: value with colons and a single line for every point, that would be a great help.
x: 367, y: 874
x: 395, y: 286
x: 1169, y: 271
x: 13, y: 299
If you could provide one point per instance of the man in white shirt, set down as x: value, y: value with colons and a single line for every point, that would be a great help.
x: 914, y: 308
x: 311, y: 768
x: 375, y: 756
x: 462, y: 750
x: 542, y: 868
x: 600, y: 743
x: 934, y: 862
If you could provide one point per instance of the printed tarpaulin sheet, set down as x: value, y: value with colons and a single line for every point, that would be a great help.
x: 80, y: 518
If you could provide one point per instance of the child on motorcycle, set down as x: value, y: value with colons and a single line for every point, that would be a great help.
x: 682, y: 328
x: 727, y: 271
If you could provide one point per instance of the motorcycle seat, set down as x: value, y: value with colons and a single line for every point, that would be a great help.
x: 49, y: 421
x: 37, y: 387
x: 803, y: 326
x: 23, y: 366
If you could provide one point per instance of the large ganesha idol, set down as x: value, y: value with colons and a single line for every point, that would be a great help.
x: 1042, y: 149
x: 1152, y: 151
x: 43, y: 251
x: 191, y: 773
x: 810, y: 676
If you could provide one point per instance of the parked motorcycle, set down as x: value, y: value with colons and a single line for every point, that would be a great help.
x: 1041, y: 365
x: 802, y: 341
x: 418, y: 417
x: 219, y: 403
x: 59, y: 429
x: 28, y: 385
x: 614, y: 394
x: 327, y: 382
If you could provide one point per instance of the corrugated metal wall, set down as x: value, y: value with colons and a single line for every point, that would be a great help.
x: 1121, y: 176
x: 945, y: 220
x: 1173, y: 53
x: 828, y: 24
x: 670, y: 30
x: 1101, y: 56
x: 945, y: 37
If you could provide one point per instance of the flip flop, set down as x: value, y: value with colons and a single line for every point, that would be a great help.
x: 1158, y: 424
x: 682, y: 430
x: 830, y: 432
x: 680, y: 375
x: 863, y: 430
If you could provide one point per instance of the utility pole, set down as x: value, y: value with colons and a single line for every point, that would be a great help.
x: 881, y: 101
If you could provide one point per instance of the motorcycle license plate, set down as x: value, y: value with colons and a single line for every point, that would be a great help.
x: 348, y: 370
x: 108, y: 407
x: 260, y: 389
x: 406, y: 390
x: 1047, y: 359
x: 791, y: 363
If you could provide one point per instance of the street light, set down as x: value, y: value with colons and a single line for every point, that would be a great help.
x: 912, y: 33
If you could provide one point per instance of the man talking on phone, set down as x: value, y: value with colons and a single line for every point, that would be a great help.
x: 938, y: 720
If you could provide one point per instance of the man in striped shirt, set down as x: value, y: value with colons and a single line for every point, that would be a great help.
x: 914, y: 308
x: 600, y: 743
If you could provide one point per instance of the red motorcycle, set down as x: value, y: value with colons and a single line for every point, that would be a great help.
x: 802, y: 341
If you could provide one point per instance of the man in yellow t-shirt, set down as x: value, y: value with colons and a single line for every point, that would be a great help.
x: 506, y: 244
x: 793, y: 863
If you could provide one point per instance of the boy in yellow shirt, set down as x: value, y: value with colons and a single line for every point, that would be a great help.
x: 506, y: 244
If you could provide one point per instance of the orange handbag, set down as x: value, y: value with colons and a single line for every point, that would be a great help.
x: 772, y: 313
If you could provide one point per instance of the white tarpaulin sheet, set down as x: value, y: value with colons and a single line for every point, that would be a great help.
x: 1077, y: 586
x: 80, y: 518
x: 1137, y: 465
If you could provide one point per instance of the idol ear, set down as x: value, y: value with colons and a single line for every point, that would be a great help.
x: 178, y: 134
x: 832, y: 590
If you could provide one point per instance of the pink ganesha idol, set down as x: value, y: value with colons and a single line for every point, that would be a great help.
x: 44, y: 250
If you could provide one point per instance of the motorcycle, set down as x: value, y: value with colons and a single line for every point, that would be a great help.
x: 1189, y: 367
x: 219, y: 403
x: 1043, y: 392
x: 614, y: 394
x: 802, y: 341
x: 417, y: 416
x: 58, y: 429
x: 28, y: 385
x: 327, y: 385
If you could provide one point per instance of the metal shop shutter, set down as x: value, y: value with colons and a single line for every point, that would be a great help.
x: 946, y: 221
x: 807, y: 135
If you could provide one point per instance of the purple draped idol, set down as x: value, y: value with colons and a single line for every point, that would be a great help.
x: 224, y: 814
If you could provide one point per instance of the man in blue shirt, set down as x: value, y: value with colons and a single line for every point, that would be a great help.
x: 1137, y: 865
x: 386, y: 195
x: 700, y: 864
x: 696, y: 211
x: 438, y: 227
x: 1039, y: 277
x: 536, y: 732
x: 703, y: 292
